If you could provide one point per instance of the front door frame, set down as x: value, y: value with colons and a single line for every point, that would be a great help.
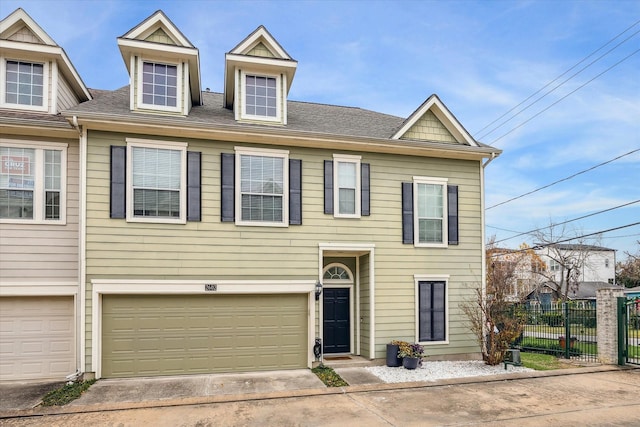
x: 341, y: 284
x: 353, y: 250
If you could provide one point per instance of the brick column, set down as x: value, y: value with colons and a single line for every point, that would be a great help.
x: 607, y: 319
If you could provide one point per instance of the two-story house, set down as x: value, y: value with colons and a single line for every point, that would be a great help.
x: 39, y: 200
x: 232, y: 231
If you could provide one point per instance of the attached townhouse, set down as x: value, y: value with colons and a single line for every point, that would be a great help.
x: 235, y: 231
x: 39, y: 200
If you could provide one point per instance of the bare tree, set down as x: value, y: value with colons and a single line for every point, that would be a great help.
x: 567, y: 261
x: 492, y: 315
x: 628, y: 272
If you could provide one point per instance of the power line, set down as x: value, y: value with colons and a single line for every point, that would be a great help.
x: 569, y: 239
x: 563, y: 179
x: 560, y: 84
x: 564, y: 97
x: 568, y: 221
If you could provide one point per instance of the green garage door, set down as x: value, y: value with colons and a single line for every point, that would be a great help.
x: 146, y: 335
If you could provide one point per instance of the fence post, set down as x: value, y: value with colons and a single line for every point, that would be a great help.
x: 622, y: 333
x: 607, y: 324
x: 567, y: 331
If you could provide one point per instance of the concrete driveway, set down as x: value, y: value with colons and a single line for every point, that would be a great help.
x: 25, y: 395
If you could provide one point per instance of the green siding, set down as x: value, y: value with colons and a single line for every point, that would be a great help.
x: 214, y: 250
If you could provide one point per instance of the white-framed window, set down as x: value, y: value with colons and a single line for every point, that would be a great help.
x: 346, y: 190
x: 262, y: 96
x: 24, y: 84
x: 156, y: 177
x: 432, y: 309
x: 262, y: 187
x: 159, y: 85
x: 430, y: 211
x: 33, y: 179
x: 554, y: 265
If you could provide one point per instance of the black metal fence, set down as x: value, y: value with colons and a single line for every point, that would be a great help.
x: 566, y: 331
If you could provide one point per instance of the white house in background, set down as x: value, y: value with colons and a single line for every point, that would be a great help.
x: 594, y: 263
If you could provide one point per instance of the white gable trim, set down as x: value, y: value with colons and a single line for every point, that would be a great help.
x: 19, y: 15
x: 443, y: 114
x: 149, y: 25
x: 260, y: 34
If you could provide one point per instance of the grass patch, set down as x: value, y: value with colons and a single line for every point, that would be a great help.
x: 66, y: 393
x: 542, y: 362
x: 329, y: 377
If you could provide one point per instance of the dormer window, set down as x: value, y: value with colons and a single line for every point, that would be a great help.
x: 262, y: 99
x: 159, y: 86
x: 24, y: 85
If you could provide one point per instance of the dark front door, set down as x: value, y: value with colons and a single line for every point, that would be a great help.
x: 337, y: 328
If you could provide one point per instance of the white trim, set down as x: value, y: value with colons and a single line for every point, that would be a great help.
x: 55, y: 83
x: 338, y: 281
x: 144, y: 29
x: 242, y: 99
x: 262, y: 152
x: 38, y: 190
x: 21, y: 15
x: 417, y: 180
x: 46, y: 86
x: 431, y: 278
x: 260, y: 34
x: 180, y: 86
x: 372, y: 306
x: 162, y: 145
x: 9, y: 289
x: 443, y: 114
x: 344, y: 158
x: 102, y: 287
x: 82, y: 245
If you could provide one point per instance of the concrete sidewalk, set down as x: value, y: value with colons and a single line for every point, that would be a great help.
x: 137, y: 393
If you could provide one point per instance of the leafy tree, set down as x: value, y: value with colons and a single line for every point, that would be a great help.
x: 628, y: 272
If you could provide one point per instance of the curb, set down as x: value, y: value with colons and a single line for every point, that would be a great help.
x: 365, y: 388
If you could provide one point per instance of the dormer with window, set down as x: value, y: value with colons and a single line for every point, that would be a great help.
x: 35, y: 73
x: 258, y: 76
x: 163, y: 65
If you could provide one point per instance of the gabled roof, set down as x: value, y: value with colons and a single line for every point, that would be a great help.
x: 577, y: 247
x: 20, y: 34
x: 158, y: 36
x: 433, y: 105
x: 260, y: 51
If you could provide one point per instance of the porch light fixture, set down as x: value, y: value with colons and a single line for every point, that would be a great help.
x: 318, y: 290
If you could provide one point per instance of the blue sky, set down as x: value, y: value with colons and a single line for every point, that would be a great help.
x: 481, y: 57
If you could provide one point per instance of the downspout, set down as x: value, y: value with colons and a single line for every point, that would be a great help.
x: 82, y: 217
x: 483, y: 237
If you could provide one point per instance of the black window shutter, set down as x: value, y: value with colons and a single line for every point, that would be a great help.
x: 432, y: 313
x: 365, y: 200
x: 407, y: 212
x: 118, y: 193
x: 328, y: 186
x: 194, y: 210
x: 452, y: 212
x: 228, y: 176
x: 295, y: 191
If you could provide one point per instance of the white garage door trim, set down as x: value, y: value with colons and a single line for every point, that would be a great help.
x: 191, y: 287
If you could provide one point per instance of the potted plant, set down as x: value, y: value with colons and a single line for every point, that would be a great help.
x: 393, y: 353
x: 411, y: 355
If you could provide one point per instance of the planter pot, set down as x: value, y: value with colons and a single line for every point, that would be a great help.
x: 392, y: 356
x: 563, y: 342
x: 411, y: 362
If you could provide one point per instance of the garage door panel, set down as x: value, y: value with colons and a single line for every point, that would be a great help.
x: 169, y: 334
x: 37, y: 337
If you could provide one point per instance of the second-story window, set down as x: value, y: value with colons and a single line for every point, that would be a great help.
x: 347, y: 188
x: 32, y: 180
x: 263, y: 187
x: 261, y: 99
x: 430, y: 211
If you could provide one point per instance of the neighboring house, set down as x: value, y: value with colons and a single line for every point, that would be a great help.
x: 228, y: 231
x: 39, y: 199
x: 594, y: 263
x: 519, y: 267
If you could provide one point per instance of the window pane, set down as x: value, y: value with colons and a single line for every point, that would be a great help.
x: 24, y: 83
x: 262, y: 188
x: 160, y: 84
x: 52, y: 205
x: 16, y: 204
x: 260, y: 96
x: 156, y: 181
x: 347, y: 201
x: 430, y: 213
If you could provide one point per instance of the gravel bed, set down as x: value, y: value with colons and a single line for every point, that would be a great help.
x: 432, y: 371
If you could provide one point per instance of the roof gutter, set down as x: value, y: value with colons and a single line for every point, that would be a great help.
x: 490, y: 159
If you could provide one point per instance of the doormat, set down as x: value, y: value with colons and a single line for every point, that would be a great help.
x: 338, y: 358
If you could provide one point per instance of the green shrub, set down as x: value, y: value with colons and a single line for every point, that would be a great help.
x: 551, y: 319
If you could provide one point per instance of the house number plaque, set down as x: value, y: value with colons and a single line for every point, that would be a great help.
x: 210, y: 287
